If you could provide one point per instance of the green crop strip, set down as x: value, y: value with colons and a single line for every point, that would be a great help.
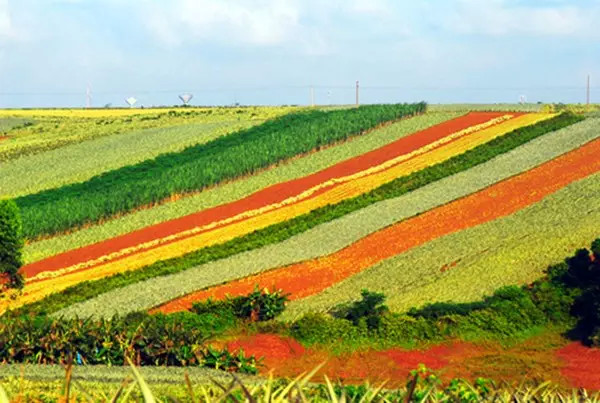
x: 198, y: 167
x: 287, y: 229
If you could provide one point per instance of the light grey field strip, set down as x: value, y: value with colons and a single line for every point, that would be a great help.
x: 466, y: 265
x: 80, y: 161
x: 332, y: 236
x: 116, y: 374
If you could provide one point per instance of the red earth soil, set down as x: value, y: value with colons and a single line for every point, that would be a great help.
x: 582, y: 365
x: 264, y: 197
x: 3, y: 138
x: 536, y: 358
x: 288, y: 358
x: 501, y: 199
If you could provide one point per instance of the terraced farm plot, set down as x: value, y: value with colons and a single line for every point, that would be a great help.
x: 43, y: 272
x: 311, y: 277
x: 332, y: 236
x: 235, y: 190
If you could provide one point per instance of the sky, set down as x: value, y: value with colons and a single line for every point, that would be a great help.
x: 293, y: 51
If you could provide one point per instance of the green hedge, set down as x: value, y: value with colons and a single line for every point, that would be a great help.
x: 198, y: 167
x: 279, y: 232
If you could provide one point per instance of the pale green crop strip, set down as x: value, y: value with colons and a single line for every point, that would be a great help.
x: 337, y: 234
x: 512, y: 250
x: 80, y: 161
x: 49, y: 133
x: 485, y: 107
x: 235, y: 190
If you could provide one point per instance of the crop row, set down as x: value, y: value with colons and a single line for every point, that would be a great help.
x: 54, y: 279
x: 332, y: 236
x: 234, y: 190
x: 468, y: 264
x: 289, y: 228
x: 47, y: 133
x: 504, y: 198
x: 197, y: 167
x: 81, y: 161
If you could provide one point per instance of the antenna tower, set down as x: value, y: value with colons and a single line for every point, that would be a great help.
x: 131, y: 101
x: 186, y: 98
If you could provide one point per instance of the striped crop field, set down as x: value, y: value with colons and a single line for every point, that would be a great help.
x: 161, y: 235
x: 271, y: 206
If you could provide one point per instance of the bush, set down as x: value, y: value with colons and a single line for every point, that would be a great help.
x: 11, y: 245
x: 370, y: 309
x: 256, y: 306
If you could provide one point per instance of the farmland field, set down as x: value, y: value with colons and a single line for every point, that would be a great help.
x: 374, y: 238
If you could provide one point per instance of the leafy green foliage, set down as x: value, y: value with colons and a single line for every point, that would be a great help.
x: 582, y: 276
x: 11, y: 245
x: 200, y: 166
x: 279, y: 232
x: 259, y: 305
x: 176, y: 339
x: 369, y: 309
x: 568, y: 296
x: 226, y: 361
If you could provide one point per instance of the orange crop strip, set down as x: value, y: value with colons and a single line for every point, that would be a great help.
x: 504, y: 198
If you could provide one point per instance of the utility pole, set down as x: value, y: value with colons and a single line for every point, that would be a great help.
x: 588, y: 90
x: 357, y: 93
x: 312, y: 97
x: 88, y: 97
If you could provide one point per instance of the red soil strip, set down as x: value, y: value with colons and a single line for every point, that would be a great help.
x: 3, y: 138
x: 536, y: 358
x: 582, y: 365
x: 499, y: 200
x: 288, y: 358
x: 264, y: 197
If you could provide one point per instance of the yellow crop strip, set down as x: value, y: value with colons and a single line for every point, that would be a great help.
x: 92, y: 113
x: 40, y: 289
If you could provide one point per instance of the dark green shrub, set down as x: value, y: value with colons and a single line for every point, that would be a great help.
x: 259, y: 305
x: 440, y: 309
x: 370, y: 309
x: 596, y: 249
x: 11, y: 245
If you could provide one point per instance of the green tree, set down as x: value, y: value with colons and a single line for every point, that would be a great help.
x: 11, y: 244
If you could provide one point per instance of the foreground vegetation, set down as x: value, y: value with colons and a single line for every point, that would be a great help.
x: 422, y: 386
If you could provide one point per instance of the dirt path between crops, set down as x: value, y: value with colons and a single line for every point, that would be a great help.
x: 264, y: 197
x: 543, y: 357
x: 499, y: 200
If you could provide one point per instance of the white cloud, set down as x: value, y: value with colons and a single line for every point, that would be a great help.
x: 257, y: 22
x: 499, y: 18
x: 6, y: 29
